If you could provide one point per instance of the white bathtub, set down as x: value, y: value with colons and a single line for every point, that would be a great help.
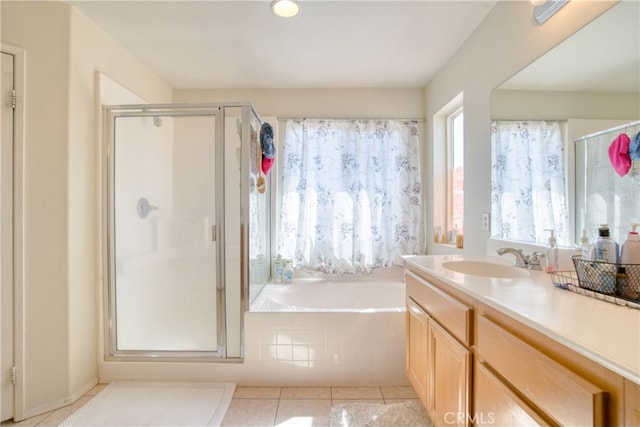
x: 382, y: 291
x: 346, y: 330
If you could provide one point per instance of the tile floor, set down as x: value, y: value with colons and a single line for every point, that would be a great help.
x: 264, y: 406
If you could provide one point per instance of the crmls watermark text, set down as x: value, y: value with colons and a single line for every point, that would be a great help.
x: 479, y: 418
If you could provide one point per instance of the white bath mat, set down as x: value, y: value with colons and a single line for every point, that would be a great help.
x: 155, y: 404
x: 410, y: 413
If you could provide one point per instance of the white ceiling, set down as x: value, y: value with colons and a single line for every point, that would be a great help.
x: 602, y: 56
x: 330, y: 44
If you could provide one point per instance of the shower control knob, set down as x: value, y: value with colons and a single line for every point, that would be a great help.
x: 144, y: 207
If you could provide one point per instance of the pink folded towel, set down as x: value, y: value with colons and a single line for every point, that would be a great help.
x: 619, y: 154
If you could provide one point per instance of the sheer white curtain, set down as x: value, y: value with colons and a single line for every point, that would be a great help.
x: 528, y: 191
x: 350, y: 194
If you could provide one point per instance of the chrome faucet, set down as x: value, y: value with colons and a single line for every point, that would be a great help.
x: 521, y: 259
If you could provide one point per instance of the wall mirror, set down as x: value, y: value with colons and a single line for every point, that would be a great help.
x: 587, y: 85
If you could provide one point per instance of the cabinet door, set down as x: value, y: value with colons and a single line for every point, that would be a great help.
x: 416, y: 352
x: 496, y: 404
x: 449, y: 378
x: 631, y: 403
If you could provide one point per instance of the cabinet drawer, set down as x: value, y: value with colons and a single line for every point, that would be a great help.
x: 563, y: 396
x: 496, y: 404
x: 453, y: 315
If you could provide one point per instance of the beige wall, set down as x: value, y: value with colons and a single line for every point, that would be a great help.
x: 505, y: 42
x: 60, y: 172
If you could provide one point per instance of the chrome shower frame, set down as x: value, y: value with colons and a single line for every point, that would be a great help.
x: 217, y: 110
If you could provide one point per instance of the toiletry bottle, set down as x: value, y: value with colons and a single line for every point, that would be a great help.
x: 287, y: 271
x: 277, y: 269
x: 587, y: 248
x: 552, y: 253
x: 630, y: 250
x: 606, y: 249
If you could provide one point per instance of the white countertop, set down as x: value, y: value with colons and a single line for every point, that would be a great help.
x: 601, y: 331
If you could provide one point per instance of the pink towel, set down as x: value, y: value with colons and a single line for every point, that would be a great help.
x: 619, y: 154
x: 266, y: 164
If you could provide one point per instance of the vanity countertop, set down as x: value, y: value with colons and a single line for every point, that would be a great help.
x: 601, y: 331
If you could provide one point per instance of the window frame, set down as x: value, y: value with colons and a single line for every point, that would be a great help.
x: 452, y: 155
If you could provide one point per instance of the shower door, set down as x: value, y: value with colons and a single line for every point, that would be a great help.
x: 165, y: 293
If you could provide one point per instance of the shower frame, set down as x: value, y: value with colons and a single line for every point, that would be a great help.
x: 217, y: 110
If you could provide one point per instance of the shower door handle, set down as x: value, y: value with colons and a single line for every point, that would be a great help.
x: 214, y: 234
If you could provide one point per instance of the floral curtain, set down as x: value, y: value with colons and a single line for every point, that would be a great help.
x: 528, y: 191
x: 350, y: 194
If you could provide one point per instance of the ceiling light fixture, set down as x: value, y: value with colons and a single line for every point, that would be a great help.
x: 547, y: 9
x: 285, y: 8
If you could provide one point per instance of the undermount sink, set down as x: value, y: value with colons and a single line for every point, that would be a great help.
x: 485, y: 269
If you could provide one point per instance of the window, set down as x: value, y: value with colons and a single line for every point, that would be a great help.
x: 455, y: 174
x: 350, y: 194
x: 448, y: 172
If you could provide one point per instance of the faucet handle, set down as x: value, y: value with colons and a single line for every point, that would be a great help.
x: 534, y: 261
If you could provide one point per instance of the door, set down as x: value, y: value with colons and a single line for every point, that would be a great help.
x: 165, y: 297
x: 6, y: 238
x: 449, y: 377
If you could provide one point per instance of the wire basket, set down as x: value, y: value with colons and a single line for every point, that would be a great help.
x: 564, y: 279
x: 619, y: 280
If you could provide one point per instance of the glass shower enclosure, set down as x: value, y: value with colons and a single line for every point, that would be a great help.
x: 182, y: 226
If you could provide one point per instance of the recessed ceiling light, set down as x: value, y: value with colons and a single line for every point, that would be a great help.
x: 285, y: 8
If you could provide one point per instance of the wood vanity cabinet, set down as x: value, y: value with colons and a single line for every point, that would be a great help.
x: 631, y: 403
x: 472, y: 364
x: 438, y: 361
x: 539, y: 386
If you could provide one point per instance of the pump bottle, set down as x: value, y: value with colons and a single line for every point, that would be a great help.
x: 630, y: 250
x: 587, y: 248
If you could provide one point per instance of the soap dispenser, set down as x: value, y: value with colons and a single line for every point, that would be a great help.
x: 587, y: 248
x: 552, y: 253
x: 630, y: 251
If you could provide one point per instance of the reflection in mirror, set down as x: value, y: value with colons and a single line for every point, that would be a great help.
x: 605, y: 195
x: 587, y: 84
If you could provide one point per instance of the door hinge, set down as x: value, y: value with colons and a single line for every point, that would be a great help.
x: 13, y: 375
x: 14, y: 99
